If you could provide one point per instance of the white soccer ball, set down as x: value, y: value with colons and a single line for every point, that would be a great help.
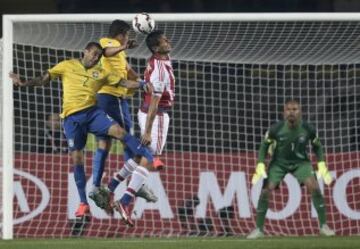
x: 143, y: 23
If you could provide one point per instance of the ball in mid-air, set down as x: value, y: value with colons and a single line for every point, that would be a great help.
x: 143, y: 23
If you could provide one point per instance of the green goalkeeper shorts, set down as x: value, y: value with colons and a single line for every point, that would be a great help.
x: 301, y: 171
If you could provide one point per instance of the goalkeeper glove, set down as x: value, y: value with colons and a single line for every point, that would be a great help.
x: 260, y: 172
x: 323, y: 173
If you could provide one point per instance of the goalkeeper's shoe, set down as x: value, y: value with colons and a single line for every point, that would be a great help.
x: 326, y: 231
x: 83, y: 210
x: 103, y: 198
x: 255, y: 234
x: 146, y: 193
x: 125, y: 213
x: 158, y: 164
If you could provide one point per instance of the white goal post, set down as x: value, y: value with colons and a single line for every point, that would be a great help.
x: 232, y: 44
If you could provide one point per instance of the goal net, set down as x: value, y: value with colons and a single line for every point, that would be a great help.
x: 233, y: 74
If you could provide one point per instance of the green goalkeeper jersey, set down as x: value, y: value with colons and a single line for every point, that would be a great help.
x: 290, y: 145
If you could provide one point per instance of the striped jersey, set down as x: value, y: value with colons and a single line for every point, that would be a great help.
x: 159, y: 72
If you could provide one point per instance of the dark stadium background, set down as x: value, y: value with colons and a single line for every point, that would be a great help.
x: 125, y: 6
x: 152, y: 6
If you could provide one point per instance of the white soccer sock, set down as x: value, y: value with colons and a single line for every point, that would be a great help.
x: 138, y: 178
x: 128, y: 168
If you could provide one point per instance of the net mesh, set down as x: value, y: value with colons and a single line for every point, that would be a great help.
x: 232, y: 79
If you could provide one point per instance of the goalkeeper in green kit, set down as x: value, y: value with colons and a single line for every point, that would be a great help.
x: 288, y: 142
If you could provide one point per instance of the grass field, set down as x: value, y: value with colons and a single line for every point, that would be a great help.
x: 191, y: 243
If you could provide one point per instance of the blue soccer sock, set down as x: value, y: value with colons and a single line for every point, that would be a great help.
x: 113, y: 184
x: 126, y: 199
x: 128, y: 168
x: 127, y: 154
x: 80, y: 180
x: 99, y: 165
x: 136, y: 147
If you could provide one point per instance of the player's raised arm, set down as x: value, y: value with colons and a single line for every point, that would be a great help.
x: 151, y: 114
x: 111, y: 51
x: 132, y: 84
x: 37, y: 81
x: 132, y: 75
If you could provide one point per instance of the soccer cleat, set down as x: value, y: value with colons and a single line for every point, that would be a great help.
x: 103, y: 198
x: 146, y: 193
x: 255, y: 234
x: 124, y: 212
x: 158, y: 164
x: 326, y: 231
x: 83, y: 210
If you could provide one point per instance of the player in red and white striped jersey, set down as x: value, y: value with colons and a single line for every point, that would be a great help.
x: 153, y: 115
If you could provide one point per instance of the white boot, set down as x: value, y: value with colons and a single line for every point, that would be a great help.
x: 326, y: 231
x: 255, y: 234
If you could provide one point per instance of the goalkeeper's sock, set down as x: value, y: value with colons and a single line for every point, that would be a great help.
x: 128, y: 168
x: 319, y: 205
x: 98, y: 166
x: 137, y: 180
x: 80, y: 180
x: 137, y: 148
x: 261, y: 210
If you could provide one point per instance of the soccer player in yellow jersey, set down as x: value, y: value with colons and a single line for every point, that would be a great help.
x: 81, y: 79
x: 114, y: 101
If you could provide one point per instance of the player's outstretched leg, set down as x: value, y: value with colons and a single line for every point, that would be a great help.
x: 261, y: 210
x: 80, y: 180
x: 128, y: 168
x: 99, y: 160
x: 138, y: 178
x: 319, y: 204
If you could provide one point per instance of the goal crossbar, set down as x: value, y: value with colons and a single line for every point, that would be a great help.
x: 7, y: 66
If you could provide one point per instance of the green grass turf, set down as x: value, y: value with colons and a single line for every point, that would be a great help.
x: 190, y: 243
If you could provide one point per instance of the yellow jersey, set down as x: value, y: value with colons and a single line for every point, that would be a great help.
x: 119, y: 64
x: 80, y: 85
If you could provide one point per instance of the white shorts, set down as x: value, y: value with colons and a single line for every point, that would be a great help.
x: 158, y: 133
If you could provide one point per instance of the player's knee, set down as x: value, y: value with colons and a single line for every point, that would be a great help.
x: 313, y: 188
x: 145, y: 163
x: 77, y: 157
x: 312, y: 185
x: 265, y: 193
x: 116, y: 131
x: 142, y: 161
x: 104, y: 144
x: 137, y: 159
x: 268, y: 189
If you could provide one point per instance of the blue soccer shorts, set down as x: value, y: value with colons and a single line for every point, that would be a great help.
x: 117, y: 108
x: 78, y: 125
